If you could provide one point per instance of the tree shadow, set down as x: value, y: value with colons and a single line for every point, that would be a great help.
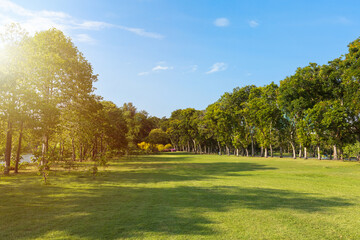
x: 140, y: 172
x: 111, y: 212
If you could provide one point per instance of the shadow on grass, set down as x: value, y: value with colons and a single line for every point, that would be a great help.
x: 164, y: 172
x: 109, y: 212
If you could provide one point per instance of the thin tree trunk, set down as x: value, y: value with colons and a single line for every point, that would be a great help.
x: 101, y: 145
x: 293, y: 149
x: 341, y: 154
x: 318, y: 152
x: 17, y: 160
x: 281, y: 152
x: 261, y: 152
x: 335, y: 153
x: 45, y: 147
x: 305, y: 153
x: 237, y: 152
x: 300, y: 154
x: 8, y: 148
x: 94, y: 148
x: 271, y: 151
x: 73, y: 149
x: 252, y: 146
x: 247, y: 152
x: 266, y: 152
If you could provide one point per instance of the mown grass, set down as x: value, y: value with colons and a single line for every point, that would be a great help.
x: 182, y: 196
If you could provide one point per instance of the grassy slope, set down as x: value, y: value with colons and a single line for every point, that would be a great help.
x: 179, y: 196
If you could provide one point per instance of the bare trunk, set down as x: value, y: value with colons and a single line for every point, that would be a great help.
x: 300, y: 154
x: 293, y: 149
x: 271, y: 151
x: 252, y: 146
x: 266, y: 152
x: 81, y: 152
x: 318, y: 153
x: 45, y: 147
x: 305, y: 153
x: 281, y: 152
x: 17, y: 160
x: 8, y: 148
x: 94, y: 153
x: 341, y: 154
x: 247, y: 152
x: 101, y: 145
x: 227, y: 150
x: 237, y: 152
x: 73, y: 149
x: 335, y: 153
x: 194, y: 150
x: 261, y: 152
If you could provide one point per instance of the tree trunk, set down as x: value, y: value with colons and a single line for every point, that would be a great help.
x: 8, y: 148
x: 300, y: 154
x: 271, y: 151
x: 281, y: 152
x: 252, y: 146
x: 45, y: 147
x: 94, y: 153
x: 293, y: 149
x: 318, y: 153
x: 73, y: 149
x: 335, y: 153
x: 261, y: 152
x: 227, y: 150
x: 17, y: 160
x: 305, y: 153
x: 266, y: 152
x: 194, y: 150
x: 237, y: 152
x: 101, y: 145
x: 247, y: 152
x: 341, y: 153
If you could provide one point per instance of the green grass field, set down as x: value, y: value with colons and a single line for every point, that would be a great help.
x: 181, y: 196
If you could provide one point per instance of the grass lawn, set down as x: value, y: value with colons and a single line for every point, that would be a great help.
x: 181, y: 196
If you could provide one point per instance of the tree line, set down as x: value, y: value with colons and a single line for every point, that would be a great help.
x: 48, y: 108
x: 314, y: 111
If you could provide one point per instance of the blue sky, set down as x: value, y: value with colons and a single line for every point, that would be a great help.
x: 165, y: 55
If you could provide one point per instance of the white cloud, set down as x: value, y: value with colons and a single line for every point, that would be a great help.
x: 143, y: 73
x: 159, y: 68
x: 85, y: 38
x: 253, y: 23
x: 155, y: 69
x: 142, y: 32
x: 221, y: 22
x: 34, y: 21
x: 217, y: 67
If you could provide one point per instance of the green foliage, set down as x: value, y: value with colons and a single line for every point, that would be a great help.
x: 352, y: 150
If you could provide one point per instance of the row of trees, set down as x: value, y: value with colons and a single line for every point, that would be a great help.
x: 48, y: 106
x: 316, y: 110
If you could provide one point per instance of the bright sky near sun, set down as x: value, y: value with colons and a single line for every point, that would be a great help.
x: 163, y: 55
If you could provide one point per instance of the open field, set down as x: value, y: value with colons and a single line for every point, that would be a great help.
x: 181, y: 196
